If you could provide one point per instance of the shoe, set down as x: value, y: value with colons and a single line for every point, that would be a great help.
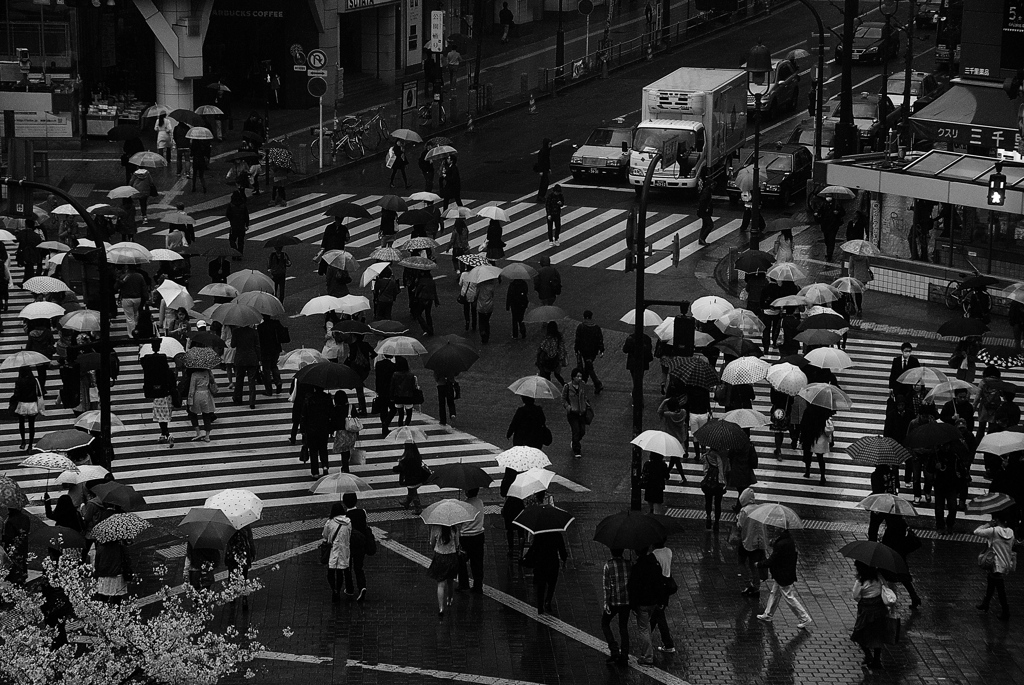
x: 315, y: 476
x: 162, y: 438
x: 666, y: 650
x: 170, y: 441
x: 252, y: 406
x: 807, y: 474
x: 822, y: 480
x: 612, y: 659
x: 803, y: 625
x: 702, y: 242
x: 778, y: 453
x: 557, y: 243
x: 362, y: 595
x: 206, y: 438
x: 764, y: 617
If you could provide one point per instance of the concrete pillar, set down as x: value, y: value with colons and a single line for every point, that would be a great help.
x: 179, y: 27
x: 174, y: 93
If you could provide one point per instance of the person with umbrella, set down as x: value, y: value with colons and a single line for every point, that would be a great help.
x: 495, y: 244
x: 546, y: 554
x: 346, y: 428
x: 424, y: 297
x: 277, y: 266
x: 517, y: 300
x: 829, y: 215
x: 902, y: 540
x: 271, y: 334
x: 551, y: 354
x: 646, y: 592
x: 713, y: 485
x: 872, y: 613
x: 399, y: 162
x: 201, y: 563
x: 385, y: 292
x: 978, y: 304
x: 753, y: 542
x: 542, y: 167
x: 337, y: 534
x: 158, y: 385
x: 451, y: 183
x: 444, y: 566
x: 164, y: 136
x: 815, y: 437
x: 245, y: 341
x: 404, y: 391
x: 28, y: 402
x: 237, y: 214
x: 615, y: 580
x: 181, y: 144
x: 459, y: 244
x: 317, y: 426
x: 412, y: 473
x: 112, y: 567
x: 199, y: 150
x: 782, y: 566
x: 529, y: 425
x: 997, y: 560
x: 239, y: 556
x: 468, y: 291
x: 143, y: 183
x: 639, y: 354
x: 471, y: 535
x: 132, y: 145
x: 201, y: 389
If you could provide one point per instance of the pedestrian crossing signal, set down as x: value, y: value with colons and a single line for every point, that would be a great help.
x: 997, y: 189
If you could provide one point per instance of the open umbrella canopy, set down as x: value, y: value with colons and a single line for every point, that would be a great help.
x: 440, y: 151
x: 235, y: 314
x: 199, y: 133
x: 537, y: 519
x: 117, y: 494
x: 123, y: 527
x: 206, y: 528
x: 838, y: 192
x: 353, y: 326
x: 393, y: 203
x: 754, y: 261
x: 743, y: 319
x: 415, y: 217
x: 328, y: 375
x: 283, y: 240
x: 650, y: 318
x: 536, y: 387
x: 522, y: 458
x: 517, y: 271
x: 187, y: 117
x: 791, y: 301
x: 990, y: 503
x: 887, y: 504
x: 404, y: 434
x: 530, y: 482
x: 787, y: 378
x: 387, y: 254
x: 241, y: 507
x: 451, y: 359
x: 341, y: 259
x: 745, y: 371
x: 62, y: 537
x: 943, y: 392
x: 710, y: 307
x: 152, y: 160
x: 829, y: 358
x: 219, y: 249
x: 827, y: 321
x: 693, y: 370
x: 24, y: 358
x: 630, y: 530
x: 722, y: 436
x: 353, y: 304
x: 818, y: 336
x: 1003, y: 442
x: 90, y: 421
x: 659, y: 442
x: 544, y: 313
x: 777, y: 516
x: 875, y: 554
x: 932, y: 435
x: 492, y: 212
x: 448, y: 512
x: 875, y: 450
x: 424, y: 196
x: 163, y: 255
x: 827, y: 396
x: 248, y: 279
x: 846, y: 284
x: 472, y: 260
x: 460, y: 476
x: 820, y: 293
x: 388, y: 327
x: 746, y: 418
x: 296, y: 359
x: 201, y: 358
x: 482, y: 273
x: 400, y: 346
x: 1002, y: 357
x: 979, y: 282
x: 265, y: 303
x: 51, y: 461
x: 45, y: 284
x: 11, y: 495
x: 418, y: 263
x: 786, y: 271
x: 347, y: 210
x: 63, y: 440
x: 860, y: 247
x: 738, y: 346
x: 923, y: 374
x: 406, y: 135
x: 40, y: 310
x: 84, y: 474
x: 320, y: 304
x: 122, y: 192
x: 339, y: 483
x: 962, y: 327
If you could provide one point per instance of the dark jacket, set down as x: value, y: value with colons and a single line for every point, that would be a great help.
x: 517, y: 297
x: 897, y: 369
x: 317, y: 411
x: 200, y: 152
x: 157, y: 378
x: 648, y: 352
x: 452, y: 182
x: 335, y: 236
x: 411, y: 471
x: 543, y: 159
x: 529, y: 427
x: 246, y: 342
x: 384, y: 369
x: 782, y: 562
x: 180, y: 141
x: 589, y: 340
x: 426, y: 289
x: 548, y: 282
x: 400, y: 160
x: 65, y: 513
x: 219, y: 270
x: 646, y: 583
x: 705, y: 200
x: 112, y: 560
x: 269, y: 332
x: 403, y: 385
x: 237, y: 214
x: 547, y: 550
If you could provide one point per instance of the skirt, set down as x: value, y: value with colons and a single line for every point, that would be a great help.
x: 870, y: 626
x: 345, y: 440
x: 444, y: 567
x: 161, y: 409
x: 27, y: 409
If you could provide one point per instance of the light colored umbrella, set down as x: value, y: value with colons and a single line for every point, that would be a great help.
x: 518, y: 271
x: 666, y: 331
x: 820, y: 293
x: 265, y: 303
x: 943, y: 392
x: 406, y: 434
x: 522, y: 458
x: 846, y: 284
x: 64, y: 210
x: 1003, y: 442
x: 482, y: 273
x: 90, y: 421
x: 745, y: 371
x: 340, y: 259
x: 791, y: 301
x: 199, y: 133
x: 86, y: 242
x: 208, y: 110
x: 650, y: 318
x: 175, y: 295
x: 242, y: 507
x: 122, y: 192
x: 168, y: 346
x: 371, y: 272
x: 353, y: 304
x: 400, y: 346
x: 990, y: 503
x: 440, y: 151
x: 41, y: 310
x: 746, y: 418
x: 339, y: 483
x: 177, y: 218
x: 148, y: 159
x: 81, y: 320
x: 123, y: 527
x: 493, y: 212
x: 123, y: 256
x: 24, y: 358
x: 164, y: 255
x: 457, y: 212
x: 536, y: 387
x: 659, y: 442
x: 156, y: 110
x: 219, y: 290
x: 925, y: 375
x: 860, y: 247
x: 838, y: 192
x: 787, y: 378
x: 45, y: 284
x: 58, y: 258
x: 424, y: 196
x: 710, y: 307
x: 743, y: 319
x: 320, y: 305
x: 249, y: 279
x: 406, y: 135
x: 296, y: 359
x: 786, y: 271
x: 777, y: 516
x: 887, y: 504
x: 52, y: 246
x: 829, y: 358
x: 85, y: 473
x: 7, y: 237
x: 827, y: 396
x: 448, y: 512
x: 530, y: 482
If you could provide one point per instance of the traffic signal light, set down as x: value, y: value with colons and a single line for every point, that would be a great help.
x: 997, y: 187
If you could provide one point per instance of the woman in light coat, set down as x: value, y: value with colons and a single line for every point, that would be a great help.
x: 338, y: 532
x: 164, y: 136
x: 201, y: 389
x: 1000, y: 543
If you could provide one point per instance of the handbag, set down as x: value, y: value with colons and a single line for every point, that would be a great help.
x: 888, y: 596
x: 588, y: 414
x: 987, y: 560
x: 390, y: 157
x: 325, y: 547
x: 417, y: 395
x: 671, y: 586
x: 353, y: 425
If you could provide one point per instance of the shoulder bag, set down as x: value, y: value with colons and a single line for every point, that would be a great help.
x: 326, y: 547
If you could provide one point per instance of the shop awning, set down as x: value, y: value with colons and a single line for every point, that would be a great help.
x: 969, y: 115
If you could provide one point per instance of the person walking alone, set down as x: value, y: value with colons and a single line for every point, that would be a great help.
x: 237, y: 215
x: 444, y: 567
x: 998, y: 560
x: 713, y: 485
x: 705, y: 203
x: 506, y: 20
x: 551, y: 354
x: 405, y: 391
x: 451, y: 190
x: 485, y: 308
x: 546, y: 554
x: 425, y: 295
x: 646, y: 589
x: 346, y: 429
x: 654, y: 477
x: 164, y: 137
x: 753, y: 541
x: 201, y: 389
x: 782, y: 565
x: 338, y: 532
x: 543, y: 167
x: 412, y: 473
x: 615, y: 579
x: 277, y: 265
x: 577, y: 406
x: 553, y: 204
x: 472, y: 538
x: 400, y: 163
x: 158, y: 385
x: 588, y: 345
x: 517, y: 300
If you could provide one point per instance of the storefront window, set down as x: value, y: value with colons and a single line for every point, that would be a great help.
x: 44, y: 31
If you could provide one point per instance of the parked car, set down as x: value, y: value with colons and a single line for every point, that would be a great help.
x: 783, y: 172
x: 924, y: 88
x: 873, y: 116
x: 927, y: 14
x: 873, y: 41
x: 780, y: 91
x: 803, y: 134
x: 605, y: 152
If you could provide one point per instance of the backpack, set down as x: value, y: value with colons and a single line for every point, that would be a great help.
x: 710, y: 484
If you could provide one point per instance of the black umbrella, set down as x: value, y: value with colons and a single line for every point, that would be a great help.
x: 722, y: 436
x: 739, y: 347
x: 538, y: 519
x: 328, y: 375
x: 630, y: 530
x: 451, y: 359
x: 978, y: 282
x: 874, y: 450
x: 220, y: 250
x: 207, y: 339
x: 818, y: 336
x: 282, y: 240
x: 417, y: 216
x: 823, y: 322
x: 247, y: 155
x: 932, y: 435
x: 962, y: 328
x: 876, y: 555
x: 352, y: 326
x: 1001, y: 385
x: 461, y: 476
x: 124, y: 132
x: 754, y: 261
x: 345, y: 210
x: 188, y: 117
x: 795, y: 360
x: 117, y: 494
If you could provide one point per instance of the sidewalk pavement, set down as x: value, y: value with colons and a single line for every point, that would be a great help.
x: 498, y: 637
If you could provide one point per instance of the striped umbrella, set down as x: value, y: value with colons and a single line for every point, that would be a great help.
x: 875, y: 450
x: 925, y: 375
x: 745, y: 371
x: 990, y: 503
x: 722, y: 436
x: 123, y: 527
x: 787, y: 378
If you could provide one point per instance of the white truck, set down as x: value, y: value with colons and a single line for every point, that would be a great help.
x: 705, y: 110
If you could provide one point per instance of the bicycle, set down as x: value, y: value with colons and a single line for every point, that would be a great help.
x: 957, y: 296
x: 426, y: 112
x: 378, y: 123
x: 348, y: 139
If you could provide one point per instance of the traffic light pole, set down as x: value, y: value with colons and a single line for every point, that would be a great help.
x: 106, y: 292
x: 847, y: 138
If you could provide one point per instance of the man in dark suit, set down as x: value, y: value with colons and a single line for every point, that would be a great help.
x: 901, y: 365
x: 246, y: 342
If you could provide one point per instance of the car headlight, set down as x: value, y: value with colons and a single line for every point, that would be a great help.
x: 633, y: 171
x: 611, y: 162
x: 871, y: 49
x: 576, y: 160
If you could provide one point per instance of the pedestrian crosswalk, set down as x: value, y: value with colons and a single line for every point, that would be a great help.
x: 867, y: 384
x: 590, y: 237
x: 250, y: 448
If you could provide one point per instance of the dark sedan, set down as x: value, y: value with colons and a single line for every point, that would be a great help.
x: 783, y: 173
x: 872, y: 42
x: 872, y: 115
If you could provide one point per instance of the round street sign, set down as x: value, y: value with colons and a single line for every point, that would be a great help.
x: 317, y: 87
x: 585, y: 7
x: 316, y: 59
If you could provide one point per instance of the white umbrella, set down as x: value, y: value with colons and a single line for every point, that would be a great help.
x: 121, y: 192
x: 406, y: 434
x: 1001, y: 443
x: 522, y: 458
x: 650, y: 318
x: 457, y: 212
x: 786, y: 271
x: 81, y: 320
x: 24, y: 358
x: 45, y: 284
x: 352, y: 305
x: 838, y: 192
x: 86, y: 472
x: 745, y: 371
x: 492, y: 212
x: 371, y: 273
x: 820, y: 293
x: 484, y: 272
x: 296, y: 359
x: 199, y: 133
x: 175, y: 295
x: 660, y: 442
x: 400, y: 346
x: 163, y: 255
x: 829, y: 358
x: 536, y: 387
x: 710, y: 307
x: 64, y: 210
x: 168, y: 346
x: 530, y: 482
x: 666, y: 331
x: 743, y: 319
x: 320, y: 305
x: 746, y: 418
x: 242, y: 507
x: 440, y: 151
x: 424, y: 196
x: 787, y: 378
x: 41, y: 310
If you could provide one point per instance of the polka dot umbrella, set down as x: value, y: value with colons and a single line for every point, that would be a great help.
x: 241, y: 507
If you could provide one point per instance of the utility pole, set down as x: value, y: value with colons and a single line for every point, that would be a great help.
x: 905, y: 118
x: 846, y: 137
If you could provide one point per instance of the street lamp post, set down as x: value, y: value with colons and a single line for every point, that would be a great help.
x: 559, y: 44
x: 819, y: 94
x: 759, y: 65
x: 905, y: 115
x: 887, y: 8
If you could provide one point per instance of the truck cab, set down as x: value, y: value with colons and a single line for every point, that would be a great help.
x: 648, y: 140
